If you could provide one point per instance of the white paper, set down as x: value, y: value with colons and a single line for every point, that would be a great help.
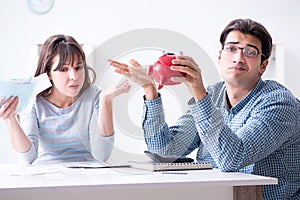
x: 91, y: 165
x: 25, y: 89
x: 28, y: 170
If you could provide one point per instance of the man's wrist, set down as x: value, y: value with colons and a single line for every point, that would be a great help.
x: 199, y: 93
x: 150, y: 92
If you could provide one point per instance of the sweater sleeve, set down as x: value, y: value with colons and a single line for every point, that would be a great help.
x: 30, y: 127
x: 100, y: 146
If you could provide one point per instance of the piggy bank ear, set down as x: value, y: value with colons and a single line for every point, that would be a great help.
x: 166, y: 59
x: 160, y: 86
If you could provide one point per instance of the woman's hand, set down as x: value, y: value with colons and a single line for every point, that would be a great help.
x: 17, y: 137
x: 8, y: 109
x: 108, y: 94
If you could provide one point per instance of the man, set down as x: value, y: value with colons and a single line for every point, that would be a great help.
x: 241, y: 124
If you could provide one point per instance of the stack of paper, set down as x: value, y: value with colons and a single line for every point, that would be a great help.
x: 25, y: 89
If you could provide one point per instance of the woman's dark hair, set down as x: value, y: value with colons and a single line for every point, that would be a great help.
x: 248, y: 26
x: 66, y: 47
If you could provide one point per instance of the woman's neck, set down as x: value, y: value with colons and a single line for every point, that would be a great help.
x: 60, y: 101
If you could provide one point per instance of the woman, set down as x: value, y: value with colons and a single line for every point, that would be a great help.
x: 70, y: 121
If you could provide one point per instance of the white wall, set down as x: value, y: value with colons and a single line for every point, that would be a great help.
x: 94, y: 22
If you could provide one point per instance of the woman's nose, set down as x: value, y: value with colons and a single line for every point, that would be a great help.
x: 73, y: 74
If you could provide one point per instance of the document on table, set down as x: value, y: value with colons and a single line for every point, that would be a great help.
x: 28, y: 170
x: 25, y: 89
x: 93, y: 165
x: 54, y: 168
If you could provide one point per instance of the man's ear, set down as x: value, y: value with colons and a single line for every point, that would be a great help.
x: 219, y: 56
x: 263, y: 66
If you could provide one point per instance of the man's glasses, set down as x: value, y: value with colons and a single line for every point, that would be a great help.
x: 248, y: 51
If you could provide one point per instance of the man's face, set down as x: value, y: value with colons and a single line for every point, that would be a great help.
x: 239, y: 66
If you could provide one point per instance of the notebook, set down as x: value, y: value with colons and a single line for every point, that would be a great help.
x: 156, y: 166
x: 167, y: 159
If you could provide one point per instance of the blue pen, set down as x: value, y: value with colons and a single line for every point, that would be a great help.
x: 182, y: 173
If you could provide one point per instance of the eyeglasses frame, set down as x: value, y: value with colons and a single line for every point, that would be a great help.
x: 242, y: 49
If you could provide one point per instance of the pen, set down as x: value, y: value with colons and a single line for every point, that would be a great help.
x: 182, y: 173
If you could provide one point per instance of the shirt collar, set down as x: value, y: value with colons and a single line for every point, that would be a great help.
x: 245, y: 100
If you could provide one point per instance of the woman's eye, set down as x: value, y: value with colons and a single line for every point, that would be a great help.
x: 63, y: 70
x: 79, y: 68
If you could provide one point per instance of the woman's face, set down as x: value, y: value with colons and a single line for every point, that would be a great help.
x: 67, y: 81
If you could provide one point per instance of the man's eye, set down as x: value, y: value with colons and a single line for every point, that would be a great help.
x: 250, y: 52
x: 232, y: 49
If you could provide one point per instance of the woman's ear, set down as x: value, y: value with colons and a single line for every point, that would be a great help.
x: 49, y: 75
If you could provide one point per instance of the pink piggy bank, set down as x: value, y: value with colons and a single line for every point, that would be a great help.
x: 161, y: 71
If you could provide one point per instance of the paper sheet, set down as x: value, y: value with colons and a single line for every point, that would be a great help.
x: 28, y: 170
x: 25, y: 89
x: 55, y: 169
x: 91, y: 165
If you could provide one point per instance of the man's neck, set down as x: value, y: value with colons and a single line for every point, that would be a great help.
x: 236, y: 92
x: 235, y: 95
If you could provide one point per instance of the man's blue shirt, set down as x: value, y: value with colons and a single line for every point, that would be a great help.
x: 259, y: 135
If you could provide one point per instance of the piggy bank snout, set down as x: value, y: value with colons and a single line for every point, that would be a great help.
x: 157, y: 72
x: 162, y: 74
x: 161, y: 71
